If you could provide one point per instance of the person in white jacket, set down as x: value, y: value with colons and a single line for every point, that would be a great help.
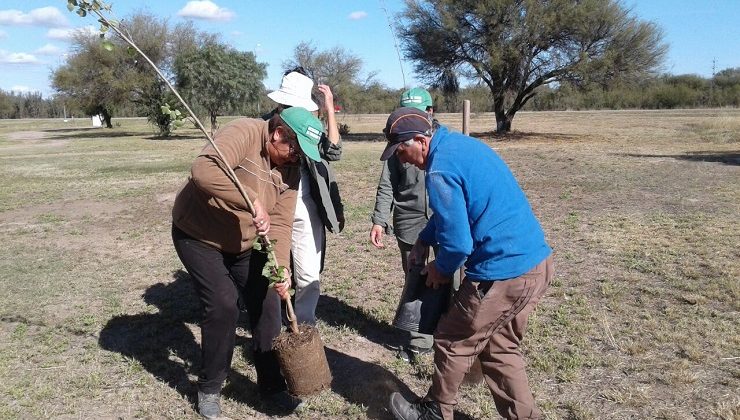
x: 319, y: 206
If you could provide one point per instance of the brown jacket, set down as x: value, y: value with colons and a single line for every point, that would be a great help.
x: 209, y: 207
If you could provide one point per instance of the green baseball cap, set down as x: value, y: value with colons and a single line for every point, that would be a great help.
x: 307, y: 127
x: 416, y: 98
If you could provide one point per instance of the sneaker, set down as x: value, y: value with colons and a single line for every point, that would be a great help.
x: 283, y: 401
x: 420, y: 410
x: 209, y: 405
x: 410, y: 354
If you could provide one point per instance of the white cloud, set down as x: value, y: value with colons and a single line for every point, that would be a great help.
x: 20, y: 89
x: 48, y: 49
x: 237, y: 33
x: 205, y: 9
x: 17, y: 58
x: 3, y: 34
x: 68, y: 34
x: 44, y: 16
x: 360, y: 14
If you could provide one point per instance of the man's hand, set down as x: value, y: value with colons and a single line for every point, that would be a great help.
x: 434, y: 277
x: 261, y: 219
x: 376, y: 236
x: 419, y: 253
x: 283, y: 288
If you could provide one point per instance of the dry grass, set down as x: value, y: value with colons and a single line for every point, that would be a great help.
x: 97, y: 320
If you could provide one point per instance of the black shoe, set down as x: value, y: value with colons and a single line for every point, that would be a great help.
x: 284, y: 402
x: 410, y: 354
x: 209, y: 405
x: 420, y: 410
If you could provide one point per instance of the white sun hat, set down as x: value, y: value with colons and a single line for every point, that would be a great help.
x: 295, y: 90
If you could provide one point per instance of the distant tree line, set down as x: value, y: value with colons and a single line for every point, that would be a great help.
x: 591, y: 55
x: 663, y: 92
x: 16, y: 105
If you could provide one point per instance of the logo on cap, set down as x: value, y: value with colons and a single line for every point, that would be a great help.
x: 313, y: 133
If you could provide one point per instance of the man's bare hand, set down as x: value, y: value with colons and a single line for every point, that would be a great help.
x: 376, y: 236
x: 419, y: 253
x: 435, y: 279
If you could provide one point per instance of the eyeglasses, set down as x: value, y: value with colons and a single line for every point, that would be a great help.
x: 293, y: 149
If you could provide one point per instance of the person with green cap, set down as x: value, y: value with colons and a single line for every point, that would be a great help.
x: 401, y: 190
x: 319, y: 206
x: 213, y: 232
x: 418, y: 98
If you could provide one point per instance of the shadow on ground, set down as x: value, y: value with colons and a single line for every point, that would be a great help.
x: 363, y: 137
x: 177, y: 137
x: 364, y: 384
x: 160, y: 342
x: 337, y: 313
x: 484, y: 135
x: 96, y: 133
x: 522, y: 136
x: 164, y: 346
x: 727, y: 158
x: 86, y: 133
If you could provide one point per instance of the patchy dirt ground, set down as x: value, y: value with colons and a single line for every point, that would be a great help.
x: 98, y: 319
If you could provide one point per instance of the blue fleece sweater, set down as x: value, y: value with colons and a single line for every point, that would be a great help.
x: 481, y: 216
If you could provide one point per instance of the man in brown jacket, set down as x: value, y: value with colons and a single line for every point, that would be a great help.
x: 213, y: 232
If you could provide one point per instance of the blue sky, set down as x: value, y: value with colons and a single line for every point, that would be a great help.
x: 34, y: 33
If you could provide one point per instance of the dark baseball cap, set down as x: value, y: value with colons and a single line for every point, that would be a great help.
x: 403, y: 124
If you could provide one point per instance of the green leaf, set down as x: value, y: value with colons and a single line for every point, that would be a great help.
x: 82, y: 12
x: 165, y: 109
x: 257, y: 244
x: 107, y: 45
x: 70, y: 6
x: 267, y: 271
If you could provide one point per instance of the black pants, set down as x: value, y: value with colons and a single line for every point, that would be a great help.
x: 219, y: 279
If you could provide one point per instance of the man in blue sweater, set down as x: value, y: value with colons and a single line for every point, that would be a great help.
x: 481, y: 219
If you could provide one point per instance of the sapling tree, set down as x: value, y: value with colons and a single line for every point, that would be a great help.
x: 102, y: 10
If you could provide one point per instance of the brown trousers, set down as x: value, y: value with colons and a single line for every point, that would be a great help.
x: 487, y: 321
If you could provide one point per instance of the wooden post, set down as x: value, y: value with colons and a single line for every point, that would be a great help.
x: 466, y: 117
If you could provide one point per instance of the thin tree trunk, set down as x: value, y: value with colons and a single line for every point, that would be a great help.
x: 106, y: 118
x: 213, y: 123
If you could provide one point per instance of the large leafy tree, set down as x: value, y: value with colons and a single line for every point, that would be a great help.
x: 102, y: 76
x: 163, y: 44
x: 92, y: 77
x: 515, y: 46
x: 218, y: 78
x: 335, y: 67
